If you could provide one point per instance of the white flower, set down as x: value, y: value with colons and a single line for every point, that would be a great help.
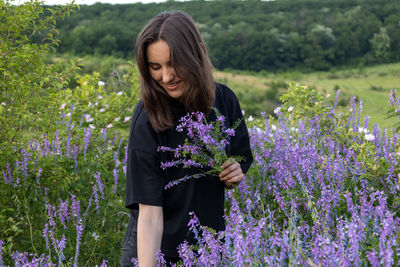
x: 273, y: 127
x: 3, y: 103
x: 63, y: 106
x: 119, y: 93
x: 369, y: 137
x: 250, y: 118
x: 88, y: 118
x: 96, y: 103
x: 117, y: 119
x: 243, y: 112
x: 101, y: 83
x: 68, y: 114
x: 95, y: 236
x: 361, y: 129
x: 90, y: 104
x: 126, y: 119
x: 109, y: 126
x: 290, y: 109
x: 91, y: 126
x: 277, y: 110
x: 100, y: 97
x: 102, y: 110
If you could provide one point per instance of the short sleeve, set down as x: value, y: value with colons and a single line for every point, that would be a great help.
x: 144, y: 181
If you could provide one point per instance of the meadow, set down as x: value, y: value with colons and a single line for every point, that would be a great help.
x: 323, y: 189
x: 370, y: 84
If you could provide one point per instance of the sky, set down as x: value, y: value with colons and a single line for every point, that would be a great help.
x: 90, y: 2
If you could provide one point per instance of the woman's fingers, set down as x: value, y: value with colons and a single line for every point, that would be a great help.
x: 232, y: 173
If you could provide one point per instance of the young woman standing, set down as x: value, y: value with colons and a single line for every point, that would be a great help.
x: 176, y: 78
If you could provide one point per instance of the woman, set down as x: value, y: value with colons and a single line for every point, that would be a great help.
x: 176, y: 78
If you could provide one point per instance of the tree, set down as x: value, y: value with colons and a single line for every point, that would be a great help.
x: 29, y: 87
x: 381, y: 45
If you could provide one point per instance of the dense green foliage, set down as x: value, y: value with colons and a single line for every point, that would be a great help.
x: 29, y: 86
x: 253, y: 35
x: 62, y: 145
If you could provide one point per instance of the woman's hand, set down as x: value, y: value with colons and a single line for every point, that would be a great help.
x: 232, y: 173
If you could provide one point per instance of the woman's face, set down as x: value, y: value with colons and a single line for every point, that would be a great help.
x: 161, y: 69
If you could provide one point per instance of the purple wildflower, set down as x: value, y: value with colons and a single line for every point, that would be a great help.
x: 63, y: 212
x: 76, y: 150
x: 1, y: 252
x: 6, y: 179
x: 88, y: 134
x: 82, y: 118
x: 100, y: 185
x: 169, y: 164
x: 79, y: 230
x: 75, y: 206
x: 190, y: 163
x: 160, y: 259
x: 115, y: 175
x: 373, y: 259
x: 56, y: 145
x: 230, y: 132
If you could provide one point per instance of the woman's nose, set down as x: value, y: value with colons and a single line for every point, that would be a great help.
x: 168, y: 75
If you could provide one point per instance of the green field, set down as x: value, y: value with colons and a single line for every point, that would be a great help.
x: 260, y: 91
x: 370, y: 84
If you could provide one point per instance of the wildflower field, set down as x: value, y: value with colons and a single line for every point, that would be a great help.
x: 323, y: 188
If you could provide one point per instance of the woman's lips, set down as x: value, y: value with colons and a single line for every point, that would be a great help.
x: 172, y: 86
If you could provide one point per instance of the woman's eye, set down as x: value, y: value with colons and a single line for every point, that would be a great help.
x: 155, y: 67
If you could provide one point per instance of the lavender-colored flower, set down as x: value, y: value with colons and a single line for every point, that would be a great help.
x: 6, y: 179
x: 169, y: 164
x: 1, y: 252
x: 56, y: 144
x: 100, y: 185
x: 70, y: 126
x: 76, y: 150
x: 79, y: 230
x: 61, y: 244
x: 230, y: 132
x: 190, y: 163
x: 88, y: 134
x: 115, y: 175
x: 373, y: 259
x: 75, y: 206
x: 82, y: 118
x: 160, y: 259
x: 63, y: 214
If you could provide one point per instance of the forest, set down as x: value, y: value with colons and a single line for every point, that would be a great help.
x: 252, y: 35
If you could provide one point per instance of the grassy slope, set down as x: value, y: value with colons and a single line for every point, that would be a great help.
x: 371, y: 84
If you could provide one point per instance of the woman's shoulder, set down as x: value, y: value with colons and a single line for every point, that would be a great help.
x: 225, y: 96
x: 224, y: 91
x: 141, y: 129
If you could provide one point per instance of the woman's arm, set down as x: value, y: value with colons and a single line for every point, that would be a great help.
x: 149, y: 233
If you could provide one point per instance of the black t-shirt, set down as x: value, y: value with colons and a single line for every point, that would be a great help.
x: 145, y: 179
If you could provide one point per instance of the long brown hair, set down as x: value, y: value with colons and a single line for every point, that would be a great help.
x: 191, y: 62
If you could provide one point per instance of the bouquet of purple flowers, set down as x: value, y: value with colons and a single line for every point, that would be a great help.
x: 205, y: 147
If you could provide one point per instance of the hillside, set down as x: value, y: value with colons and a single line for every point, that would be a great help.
x: 252, y: 35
